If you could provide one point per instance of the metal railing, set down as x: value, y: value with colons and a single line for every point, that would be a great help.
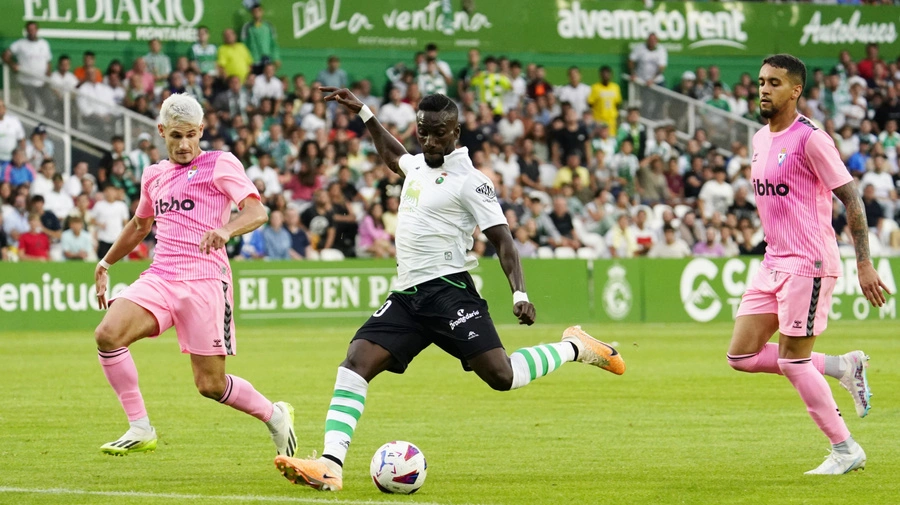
x: 660, y: 106
x: 72, y: 114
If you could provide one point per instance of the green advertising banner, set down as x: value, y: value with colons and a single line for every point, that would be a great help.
x: 46, y: 296
x: 545, y: 26
x: 50, y: 296
x: 704, y: 290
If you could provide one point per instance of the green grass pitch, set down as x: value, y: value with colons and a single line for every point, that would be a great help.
x: 680, y: 427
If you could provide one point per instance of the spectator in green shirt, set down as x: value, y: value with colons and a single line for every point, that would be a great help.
x: 202, y: 53
x: 718, y: 100
x: 158, y: 63
x: 260, y: 38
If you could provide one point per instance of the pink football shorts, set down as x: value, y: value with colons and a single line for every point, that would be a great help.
x: 200, y: 310
x: 801, y: 303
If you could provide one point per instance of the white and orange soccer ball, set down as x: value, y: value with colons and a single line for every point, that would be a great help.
x: 398, y: 467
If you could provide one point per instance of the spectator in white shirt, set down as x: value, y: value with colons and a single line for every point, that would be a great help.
x: 114, y: 81
x: 575, y: 92
x: 431, y: 53
x: 716, y: 195
x: 264, y: 171
x: 32, y: 63
x: 268, y: 85
x: 39, y: 147
x: 96, y: 100
x: 314, y: 121
x: 647, y: 62
x: 76, y: 243
x: 57, y: 200
x: 507, y: 165
x: 512, y: 99
x: 883, y: 183
x: 43, y: 180
x: 670, y: 247
x: 511, y: 128
x: 12, y: 134
x: 110, y: 216
x: 62, y: 81
x: 398, y: 113
x: 73, y: 184
x: 62, y: 78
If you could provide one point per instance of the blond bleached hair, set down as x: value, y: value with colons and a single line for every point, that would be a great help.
x: 180, y: 108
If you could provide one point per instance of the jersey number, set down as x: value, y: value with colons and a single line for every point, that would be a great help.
x: 383, y: 308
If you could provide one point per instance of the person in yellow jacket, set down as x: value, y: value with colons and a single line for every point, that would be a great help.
x: 605, y: 98
x: 490, y: 86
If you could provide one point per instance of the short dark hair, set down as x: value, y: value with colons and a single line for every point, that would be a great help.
x: 490, y: 59
x: 89, y: 53
x: 64, y: 57
x: 605, y: 68
x: 795, y: 68
x: 439, y: 103
x: 573, y: 67
x: 515, y: 64
x: 431, y: 47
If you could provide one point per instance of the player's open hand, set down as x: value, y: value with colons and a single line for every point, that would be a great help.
x: 101, y: 282
x: 525, y: 312
x: 872, y: 285
x: 214, y: 240
x: 342, y: 96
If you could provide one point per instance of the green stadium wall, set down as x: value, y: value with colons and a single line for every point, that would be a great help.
x: 370, y: 36
x: 60, y: 296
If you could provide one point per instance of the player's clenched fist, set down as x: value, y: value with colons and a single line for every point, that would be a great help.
x: 525, y: 312
x: 213, y: 240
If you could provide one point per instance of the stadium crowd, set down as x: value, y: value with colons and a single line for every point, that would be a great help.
x: 576, y: 172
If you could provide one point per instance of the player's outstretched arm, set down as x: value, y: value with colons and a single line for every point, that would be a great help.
x: 252, y: 216
x: 872, y: 285
x: 387, y: 146
x: 502, y: 240
x: 134, y: 232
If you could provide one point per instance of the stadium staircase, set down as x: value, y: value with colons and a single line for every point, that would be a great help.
x: 76, y: 136
x: 661, y: 106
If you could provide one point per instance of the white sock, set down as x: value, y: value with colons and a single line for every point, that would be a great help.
x: 834, y: 366
x: 276, y: 418
x: 142, y: 424
x: 530, y: 363
x: 846, y: 446
x: 346, y: 408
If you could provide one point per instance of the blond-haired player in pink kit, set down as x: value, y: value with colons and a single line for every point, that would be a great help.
x: 795, y: 169
x: 188, y: 285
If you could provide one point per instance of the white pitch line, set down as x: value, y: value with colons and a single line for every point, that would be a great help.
x: 184, y: 497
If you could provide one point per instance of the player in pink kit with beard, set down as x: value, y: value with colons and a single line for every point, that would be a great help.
x: 795, y: 169
x: 188, y: 286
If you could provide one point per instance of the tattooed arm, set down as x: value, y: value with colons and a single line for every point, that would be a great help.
x: 872, y: 286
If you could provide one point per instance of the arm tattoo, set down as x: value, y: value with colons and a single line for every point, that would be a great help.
x: 856, y: 219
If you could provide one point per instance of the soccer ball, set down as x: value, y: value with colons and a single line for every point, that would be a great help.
x: 398, y: 467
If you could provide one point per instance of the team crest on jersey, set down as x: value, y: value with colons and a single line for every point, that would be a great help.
x: 782, y: 156
x: 192, y: 171
x: 440, y: 179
